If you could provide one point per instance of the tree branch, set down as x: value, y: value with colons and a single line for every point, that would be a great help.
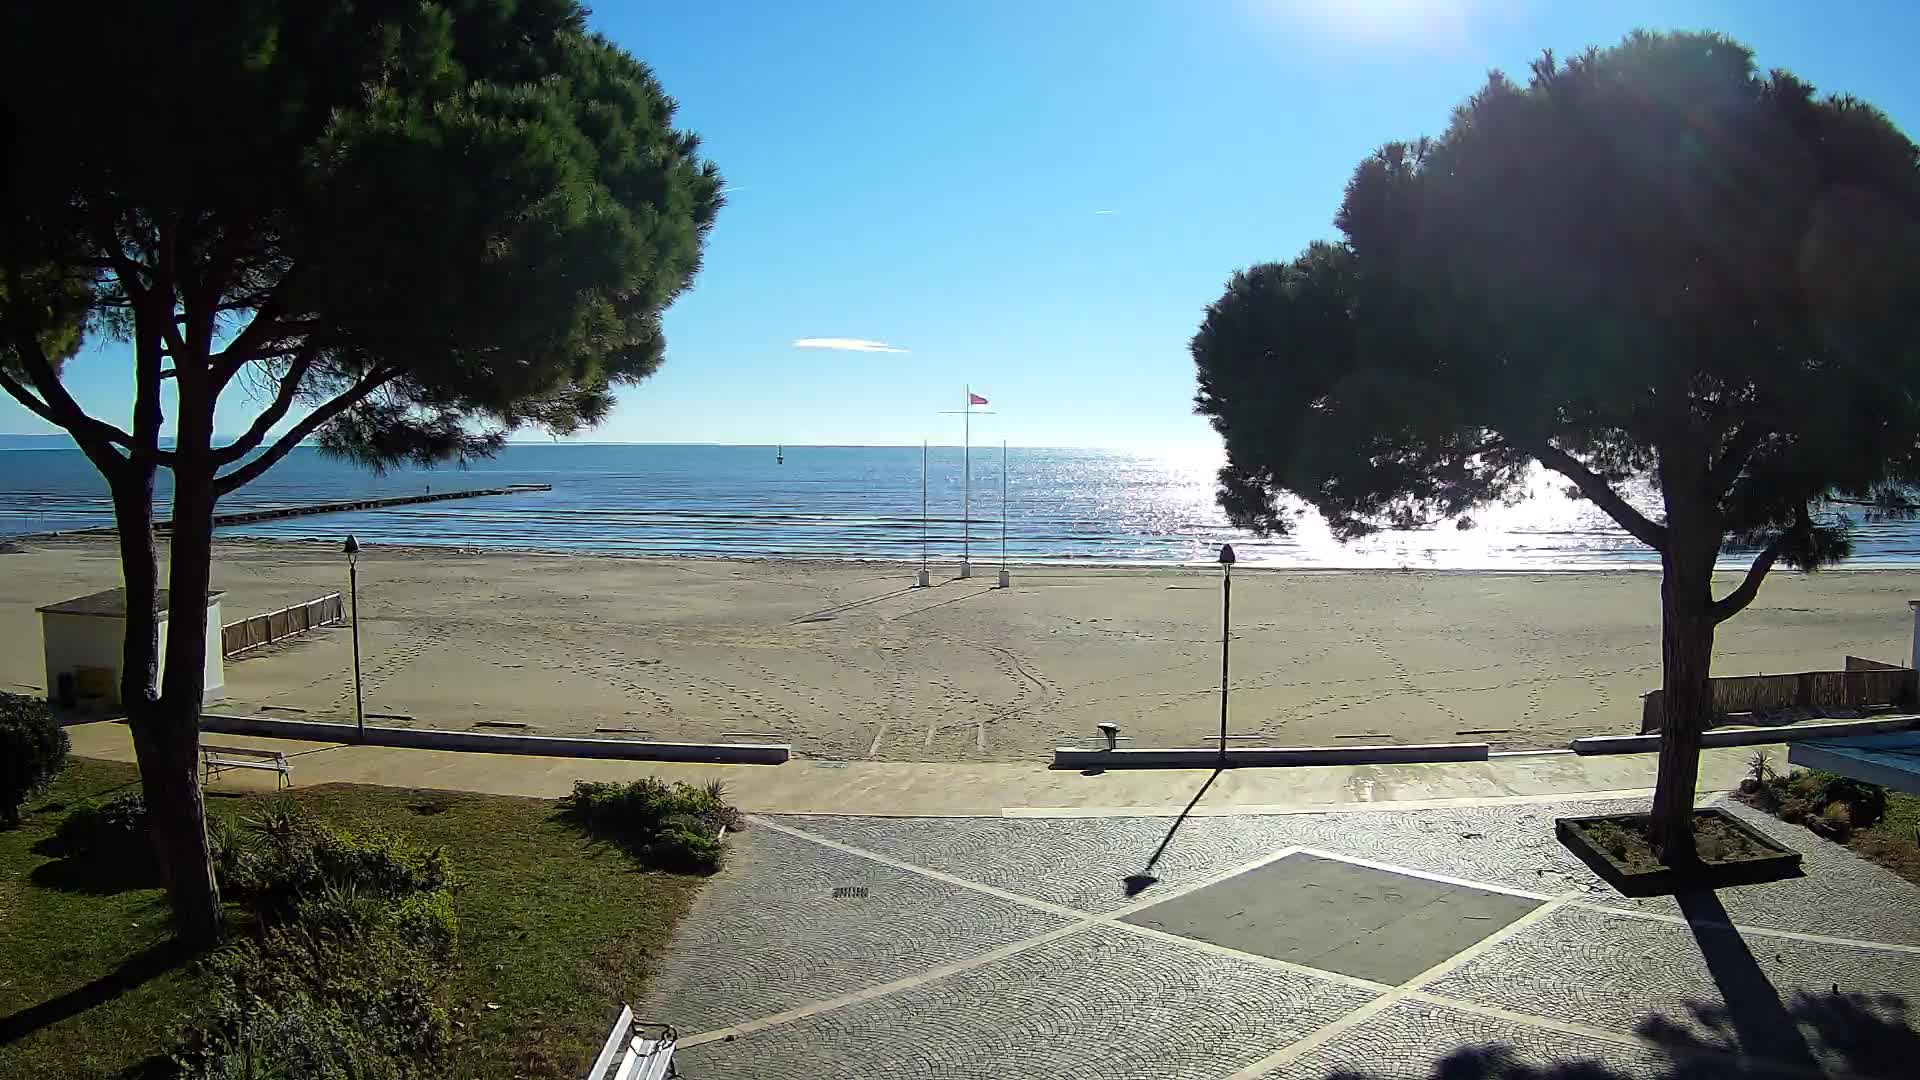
x: 25, y: 397
x: 1601, y: 494
x: 1736, y: 601
x: 248, y: 345
x: 56, y: 406
x: 1722, y: 474
x: 138, y: 293
x: 96, y: 439
x: 313, y: 421
x: 275, y: 412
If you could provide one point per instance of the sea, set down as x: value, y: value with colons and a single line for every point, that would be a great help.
x: 1098, y: 507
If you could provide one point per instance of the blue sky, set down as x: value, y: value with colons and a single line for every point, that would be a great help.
x: 1039, y: 197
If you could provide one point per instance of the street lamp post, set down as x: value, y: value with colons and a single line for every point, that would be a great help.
x: 1226, y: 636
x: 352, y: 548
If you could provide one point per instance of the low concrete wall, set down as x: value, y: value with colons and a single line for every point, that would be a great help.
x: 1647, y: 744
x: 483, y: 743
x: 1201, y: 757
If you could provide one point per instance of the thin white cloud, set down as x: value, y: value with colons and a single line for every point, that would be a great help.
x: 846, y: 344
x: 734, y: 189
x: 1099, y: 212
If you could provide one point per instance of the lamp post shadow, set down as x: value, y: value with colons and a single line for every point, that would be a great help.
x: 1135, y: 884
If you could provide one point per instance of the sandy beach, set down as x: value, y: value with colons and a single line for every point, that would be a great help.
x: 844, y: 661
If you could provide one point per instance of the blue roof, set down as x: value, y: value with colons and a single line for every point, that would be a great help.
x: 1891, y: 761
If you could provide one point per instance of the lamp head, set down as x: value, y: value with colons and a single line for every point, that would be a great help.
x: 1226, y: 554
x: 351, y: 547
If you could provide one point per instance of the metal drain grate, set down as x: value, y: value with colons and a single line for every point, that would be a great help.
x: 850, y: 892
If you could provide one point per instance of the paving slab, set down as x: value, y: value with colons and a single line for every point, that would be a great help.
x: 1338, y: 916
x: 769, y: 932
x: 1417, y: 1040
x: 1085, y: 862
x: 1099, y: 1004
x: 1577, y: 993
x: 1714, y: 986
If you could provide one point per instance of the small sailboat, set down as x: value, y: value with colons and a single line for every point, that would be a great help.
x: 779, y: 454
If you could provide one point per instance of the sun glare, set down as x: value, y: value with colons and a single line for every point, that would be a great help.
x: 1424, y: 24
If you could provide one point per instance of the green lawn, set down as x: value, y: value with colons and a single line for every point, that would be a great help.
x: 1894, y: 842
x: 554, y: 930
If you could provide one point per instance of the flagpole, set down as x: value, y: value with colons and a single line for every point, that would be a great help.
x: 924, y: 579
x: 966, y: 498
x: 1005, y: 579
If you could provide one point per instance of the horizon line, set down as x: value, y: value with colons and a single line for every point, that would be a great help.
x: 757, y: 445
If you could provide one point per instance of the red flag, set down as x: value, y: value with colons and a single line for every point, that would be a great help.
x: 975, y: 399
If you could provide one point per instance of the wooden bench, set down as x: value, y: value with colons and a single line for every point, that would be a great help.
x: 215, y: 760
x: 636, y: 1050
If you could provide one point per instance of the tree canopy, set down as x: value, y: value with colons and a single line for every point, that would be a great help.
x: 420, y: 224
x: 1649, y: 263
x: 399, y: 228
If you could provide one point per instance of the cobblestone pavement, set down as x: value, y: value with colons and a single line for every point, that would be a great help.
x: 1028, y: 947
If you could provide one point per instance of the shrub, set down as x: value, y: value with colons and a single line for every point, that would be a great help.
x: 674, y: 827
x: 1796, y: 809
x: 1832, y: 805
x: 294, y: 857
x: 346, y: 979
x: 1865, y: 803
x: 33, y: 750
x: 349, y: 986
x: 228, y: 846
x: 113, y: 831
x: 685, y: 845
x: 1805, y: 784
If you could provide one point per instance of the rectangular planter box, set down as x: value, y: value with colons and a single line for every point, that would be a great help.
x: 1784, y: 863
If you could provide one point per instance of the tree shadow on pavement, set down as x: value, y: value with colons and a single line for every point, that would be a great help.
x: 1752, y: 1019
x: 1135, y: 884
x: 1863, y: 1035
x: 1750, y: 1031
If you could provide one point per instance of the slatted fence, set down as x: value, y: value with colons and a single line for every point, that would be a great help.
x: 1859, y: 685
x: 251, y: 633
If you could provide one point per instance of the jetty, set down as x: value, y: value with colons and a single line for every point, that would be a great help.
x: 270, y: 513
x: 273, y: 513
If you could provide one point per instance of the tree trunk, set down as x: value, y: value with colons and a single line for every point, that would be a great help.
x: 1686, y: 654
x: 174, y: 803
x: 140, y: 571
x: 169, y: 771
x: 176, y: 816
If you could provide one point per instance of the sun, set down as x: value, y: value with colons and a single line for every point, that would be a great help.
x: 1423, y: 24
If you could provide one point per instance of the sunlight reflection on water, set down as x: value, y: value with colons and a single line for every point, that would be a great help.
x: 865, y: 502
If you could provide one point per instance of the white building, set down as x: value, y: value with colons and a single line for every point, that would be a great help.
x: 84, y: 639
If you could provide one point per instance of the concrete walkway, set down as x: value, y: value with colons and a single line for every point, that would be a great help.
x: 1445, y: 943
x: 942, y: 789
x: 881, y: 920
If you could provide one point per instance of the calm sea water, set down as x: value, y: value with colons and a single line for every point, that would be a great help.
x: 839, y: 502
